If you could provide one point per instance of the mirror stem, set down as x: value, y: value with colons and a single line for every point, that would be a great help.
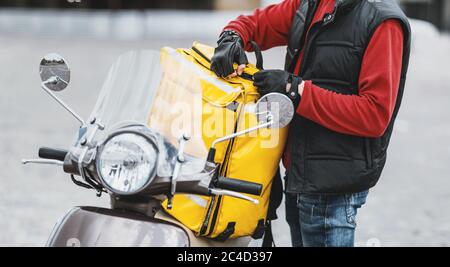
x: 246, y: 131
x: 212, y: 150
x: 221, y: 192
x: 62, y: 103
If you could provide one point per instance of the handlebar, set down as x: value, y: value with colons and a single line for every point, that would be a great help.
x: 222, y: 185
x: 238, y: 186
x: 52, y: 153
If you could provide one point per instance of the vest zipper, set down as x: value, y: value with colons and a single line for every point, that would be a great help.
x: 304, y: 43
x: 312, y: 8
x: 309, y: 39
x: 315, y: 30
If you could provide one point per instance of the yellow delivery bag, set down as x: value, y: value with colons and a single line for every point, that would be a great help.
x: 226, y: 107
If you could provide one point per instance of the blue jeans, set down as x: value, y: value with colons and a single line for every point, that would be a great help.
x: 321, y: 220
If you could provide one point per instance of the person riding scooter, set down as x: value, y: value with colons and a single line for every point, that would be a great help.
x: 345, y: 70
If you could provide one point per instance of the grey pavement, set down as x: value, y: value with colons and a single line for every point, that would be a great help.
x: 409, y: 207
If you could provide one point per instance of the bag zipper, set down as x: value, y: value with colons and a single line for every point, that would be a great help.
x: 213, y: 202
x: 225, y: 171
x: 244, y: 75
x: 219, y: 200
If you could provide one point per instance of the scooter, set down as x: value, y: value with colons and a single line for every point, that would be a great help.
x: 138, y: 165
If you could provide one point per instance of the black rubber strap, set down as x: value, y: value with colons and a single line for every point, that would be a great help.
x: 227, y: 233
x: 258, y: 54
x: 260, y: 229
x: 293, y: 92
x: 268, y: 236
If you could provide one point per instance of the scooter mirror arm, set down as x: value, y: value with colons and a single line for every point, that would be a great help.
x: 212, y: 150
x: 57, y: 99
x: 221, y: 192
x: 204, y: 186
x: 201, y: 188
x: 240, y: 133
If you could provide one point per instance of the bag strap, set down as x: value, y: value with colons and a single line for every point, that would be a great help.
x: 225, y: 235
x: 276, y: 196
x: 268, y: 241
x: 258, y: 54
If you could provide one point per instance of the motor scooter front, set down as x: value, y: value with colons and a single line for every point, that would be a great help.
x: 138, y: 166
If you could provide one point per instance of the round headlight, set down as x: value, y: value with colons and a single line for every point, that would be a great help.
x: 127, y: 163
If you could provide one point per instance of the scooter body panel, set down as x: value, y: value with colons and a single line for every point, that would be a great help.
x: 93, y: 227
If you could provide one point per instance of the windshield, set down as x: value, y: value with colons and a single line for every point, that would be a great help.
x: 128, y: 91
x: 144, y: 87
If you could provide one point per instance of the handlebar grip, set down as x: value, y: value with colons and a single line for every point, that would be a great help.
x: 52, y: 153
x: 239, y: 186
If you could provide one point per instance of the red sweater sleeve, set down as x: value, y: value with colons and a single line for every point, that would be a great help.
x: 268, y: 27
x: 368, y: 113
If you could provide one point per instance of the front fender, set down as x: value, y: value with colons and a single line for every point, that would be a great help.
x: 100, y: 227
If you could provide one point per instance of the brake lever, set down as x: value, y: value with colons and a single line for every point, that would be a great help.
x: 43, y: 161
x: 221, y: 192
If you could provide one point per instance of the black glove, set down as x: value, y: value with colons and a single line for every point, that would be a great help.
x: 275, y: 81
x: 229, y: 50
x: 271, y: 81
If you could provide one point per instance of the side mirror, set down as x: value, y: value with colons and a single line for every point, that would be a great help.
x: 55, y: 76
x: 54, y: 72
x: 275, y: 108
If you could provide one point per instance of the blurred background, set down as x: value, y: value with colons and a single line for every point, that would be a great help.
x: 409, y: 207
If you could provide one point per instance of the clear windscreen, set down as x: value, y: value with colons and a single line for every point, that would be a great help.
x: 159, y: 90
x: 145, y: 87
x: 128, y: 91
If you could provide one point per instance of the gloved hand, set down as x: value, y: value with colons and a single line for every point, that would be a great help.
x: 271, y: 81
x: 275, y: 81
x: 229, y: 50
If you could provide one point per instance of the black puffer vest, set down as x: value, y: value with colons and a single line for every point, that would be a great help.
x: 321, y: 160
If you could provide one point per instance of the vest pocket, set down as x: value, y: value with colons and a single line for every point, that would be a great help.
x: 336, y: 43
x: 325, y: 142
x: 328, y: 157
x: 336, y: 61
x: 335, y: 175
